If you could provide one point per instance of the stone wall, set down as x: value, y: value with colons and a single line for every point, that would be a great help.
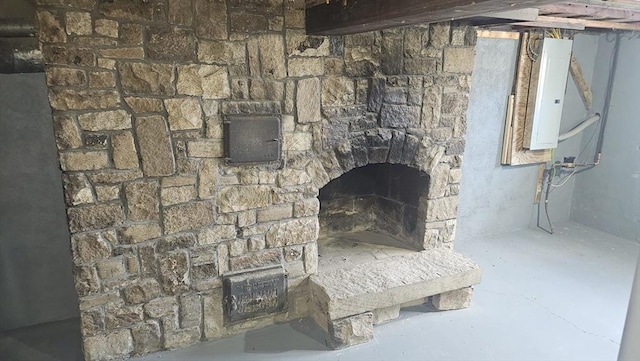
x: 139, y: 89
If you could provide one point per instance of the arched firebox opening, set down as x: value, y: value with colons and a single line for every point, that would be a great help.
x: 372, y: 212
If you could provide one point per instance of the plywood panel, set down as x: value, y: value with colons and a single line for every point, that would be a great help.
x: 522, y: 108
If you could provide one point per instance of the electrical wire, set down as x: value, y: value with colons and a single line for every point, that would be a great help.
x: 564, y: 180
x: 548, y: 176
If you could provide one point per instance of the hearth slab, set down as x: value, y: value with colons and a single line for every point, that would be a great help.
x: 395, y: 280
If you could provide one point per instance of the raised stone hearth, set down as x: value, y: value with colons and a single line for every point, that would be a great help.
x: 166, y: 228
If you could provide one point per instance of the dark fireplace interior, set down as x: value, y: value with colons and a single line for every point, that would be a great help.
x: 377, y: 207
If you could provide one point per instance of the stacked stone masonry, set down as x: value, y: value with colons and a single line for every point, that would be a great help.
x: 139, y: 90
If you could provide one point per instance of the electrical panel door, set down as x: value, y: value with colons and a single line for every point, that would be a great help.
x: 552, y: 82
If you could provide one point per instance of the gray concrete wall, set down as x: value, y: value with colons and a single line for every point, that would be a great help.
x: 36, y: 285
x: 608, y: 196
x: 495, y: 198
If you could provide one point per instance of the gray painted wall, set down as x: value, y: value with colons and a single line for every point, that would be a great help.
x: 608, y: 196
x: 36, y: 285
x: 494, y: 198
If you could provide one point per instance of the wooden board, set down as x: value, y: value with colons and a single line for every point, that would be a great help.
x: 498, y: 34
x: 338, y: 18
x: 581, y: 83
x: 520, y: 155
x: 541, y: 168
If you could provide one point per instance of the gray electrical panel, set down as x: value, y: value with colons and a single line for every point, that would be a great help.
x: 552, y: 82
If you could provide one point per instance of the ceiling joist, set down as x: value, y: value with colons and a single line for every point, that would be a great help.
x: 338, y: 17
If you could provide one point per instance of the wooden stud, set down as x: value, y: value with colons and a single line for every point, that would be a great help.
x: 581, y: 83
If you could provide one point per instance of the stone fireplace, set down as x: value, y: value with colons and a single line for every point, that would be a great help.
x: 174, y: 244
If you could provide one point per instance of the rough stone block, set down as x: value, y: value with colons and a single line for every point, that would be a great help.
x: 113, y: 345
x: 172, y: 44
x: 213, y: 316
x: 67, y: 133
x: 337, y: 91
x: 174, y: 272
x: 142, y: 200
x: 300, y: 67
x: 112, y: 268
x: 292, y: 177
x: 143, y: 78
x: 176, y: 242
x: 132, y: 10
x: 107, y: 193
x: 210, y: 19
x: 144, y: 105
x: 86, y: 280
x: 400, y: 116
x: 207, y: 178
x: 146, y: 337
x: 455, y: 103
x: 118, y: 316
x: 275, y: 213
x: 155, y: 146
x: 131, y: 34
x: 106, y: 27
x: 94, y: 217
x: 89, y: 248
x: 308, y: 100
x: 298, y: 141
x: 65, y: 55
x: 272, y: 56
x: 298, y: 231
x: 102, y: 79
x: 453, y: 300
x: 77, y: 189
x: 205, y: 148
x: 455, y: 175
x: 311, y: 258
x: 50, y: 28
x: 57, y: 76
x: 439, y: 34
x: 386, y: 314
x: 221, y: 52
x: 459, y: 60
x: 234, y: 199
x: 351, y: 331
x: 184, y: 113
x: 208, y: 81
x: 91, y: 322
x: 161, y: 307
x: 442, y: 208
x: 256, y: 260
x: 141, y: 291
x: 420, y: 66
x: 439, y: 181
x: 180, y: 12
x: 244, y: 22
x: 181, y: 338
x: 139, y: 233
x: 175, y: 195
x: 132, y: 52
x: 187, y: 216
x: 67, y: 99
x: 124, y: 151
x: 307, y: 207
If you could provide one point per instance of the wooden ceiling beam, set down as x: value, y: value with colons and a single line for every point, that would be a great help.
x: 592, y: 10
x: 579, y: 24
x: 360, y: 16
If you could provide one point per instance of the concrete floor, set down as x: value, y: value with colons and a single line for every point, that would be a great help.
x: 543, y: 297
